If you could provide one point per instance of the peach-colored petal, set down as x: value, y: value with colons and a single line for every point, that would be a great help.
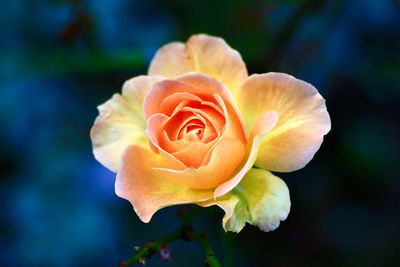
x: 186, y: 126
x: 233, y: 129
x: 213, y: 86
x: 207, y: 84
x: 121, y: 122
x: 179, y: 154
x: 155, y: 125
x: 218, y: 170
x: 214, y: 120
x: 202, y: 86
x: 153, y: 101
x: 202, y: 54
x: 176, y: 124
x: 148, y: 191
x: 192, y: 155
x: 231, y: 143
x: 303, y: 119
x: 260, y: 129
x: 261, y: 199
x: 169, y: 103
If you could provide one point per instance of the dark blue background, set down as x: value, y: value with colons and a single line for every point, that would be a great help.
x: 60, y: 59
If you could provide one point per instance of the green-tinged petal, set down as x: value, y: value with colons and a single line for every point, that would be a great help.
x: 121, y: 122
x: 261, y: 199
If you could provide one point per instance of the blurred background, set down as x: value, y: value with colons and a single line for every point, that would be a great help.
x: 60, y: 59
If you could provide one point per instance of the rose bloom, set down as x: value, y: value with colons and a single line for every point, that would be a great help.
x: 198, y: 129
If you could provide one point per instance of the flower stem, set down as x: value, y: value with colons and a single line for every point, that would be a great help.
x: 184, y: 232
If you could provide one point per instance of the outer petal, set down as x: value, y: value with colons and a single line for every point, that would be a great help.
x: 136, y: 89
x: 116, y: 127
x: 203, y: 54
x: 260, y: 199
x: 303, y: 119
x: 148, y: 191
x: 121, y: 122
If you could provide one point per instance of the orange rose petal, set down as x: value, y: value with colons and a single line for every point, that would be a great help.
x: 206, y: 84
x: 211, y: 137
x: 216, y: 120
x: 216, y: 88
x: 200, y: 85
x: 261, y: 128
x: 215, y: 172
x: 192, y: 155
x: 203, y: 54
x: 148, y: 191
x: 186, y: 131
x: 303, y: 119
x: 176, y: 123
x: 178, y: 132
x: 212, y: 120
x: 165, y: 88
x: 169, y: 103
x: 235, y: 127
x: 230, y: 130
x: 154, y: 131
x: 184, y: 156
x: 173, y: 146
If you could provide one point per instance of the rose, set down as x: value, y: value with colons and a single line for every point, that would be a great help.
x: 191, y: 131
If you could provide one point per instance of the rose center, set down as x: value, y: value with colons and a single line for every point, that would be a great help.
x: 194, y: 133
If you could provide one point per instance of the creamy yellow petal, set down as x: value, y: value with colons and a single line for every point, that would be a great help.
x: 121, y: 122
x: 261, y: 199
x: 136, y: 89
x: 148, y: 191
x: 303, y: 119
x: 114, y: 129
x: 204, y: 54
x: 268, y: 198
